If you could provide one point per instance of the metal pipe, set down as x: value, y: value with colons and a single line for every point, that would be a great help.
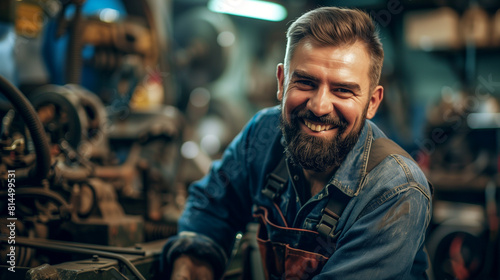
x: 37, y: 131
x: 35, y: 192
x: 60, y: 248
x: 111, y: 249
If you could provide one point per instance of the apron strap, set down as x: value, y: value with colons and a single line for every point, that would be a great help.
x: 380, y: 149
x: 383, y: 147
x: 337, y: 201
x: 276, y: 180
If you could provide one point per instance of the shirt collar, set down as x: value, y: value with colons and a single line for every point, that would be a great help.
x: 349, y: 175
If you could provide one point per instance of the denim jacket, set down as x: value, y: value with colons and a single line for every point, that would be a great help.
x: 382, y: 228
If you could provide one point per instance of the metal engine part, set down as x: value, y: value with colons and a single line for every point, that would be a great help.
x: 88, y: 194
x: 73, y: 114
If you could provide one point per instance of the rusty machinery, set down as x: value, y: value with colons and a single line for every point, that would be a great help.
x: 95, y: 189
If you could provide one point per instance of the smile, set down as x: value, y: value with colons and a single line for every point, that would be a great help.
x: 317, y: 127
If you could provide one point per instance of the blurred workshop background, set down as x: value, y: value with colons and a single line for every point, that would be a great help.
x: 110, y: 109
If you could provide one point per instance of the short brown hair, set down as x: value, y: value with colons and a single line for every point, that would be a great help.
x: 333, y: 26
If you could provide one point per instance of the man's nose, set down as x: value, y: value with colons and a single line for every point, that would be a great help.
x: 320, y: 103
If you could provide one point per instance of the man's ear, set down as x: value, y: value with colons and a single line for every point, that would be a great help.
x: 280, y: 76
x: 374, y: 102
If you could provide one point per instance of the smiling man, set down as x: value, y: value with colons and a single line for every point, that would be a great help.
x: 326, y: 95
x: 334, y: 197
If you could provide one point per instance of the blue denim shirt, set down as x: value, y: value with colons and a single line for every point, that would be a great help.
x: 382, y: 228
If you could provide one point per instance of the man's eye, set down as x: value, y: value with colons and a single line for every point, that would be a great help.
x: 343, y: 90
x: 305, y: 83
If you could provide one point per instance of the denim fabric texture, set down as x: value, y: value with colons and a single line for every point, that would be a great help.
x: 382, y: 229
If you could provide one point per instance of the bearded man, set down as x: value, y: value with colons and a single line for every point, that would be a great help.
x: 334, y: 197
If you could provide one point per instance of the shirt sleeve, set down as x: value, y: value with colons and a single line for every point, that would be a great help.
x: 386, y: 242
x: 220, y: 204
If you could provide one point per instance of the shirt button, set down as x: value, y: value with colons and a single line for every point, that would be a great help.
x: 296, y: 177
x: 320, y: 196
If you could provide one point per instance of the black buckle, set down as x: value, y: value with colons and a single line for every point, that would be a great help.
x: 274, y: 186
x: 328, y: 224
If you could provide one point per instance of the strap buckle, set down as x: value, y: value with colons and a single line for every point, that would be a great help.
x: 328, y: 224
x: 274, y: 186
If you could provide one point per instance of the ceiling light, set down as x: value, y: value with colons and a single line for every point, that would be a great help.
x: 264, y: 10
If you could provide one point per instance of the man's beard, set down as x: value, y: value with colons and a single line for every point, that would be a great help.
x: 317, y: 153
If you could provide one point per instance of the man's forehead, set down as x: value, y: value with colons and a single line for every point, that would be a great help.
x: 353, y: 59
x: 310, y: 42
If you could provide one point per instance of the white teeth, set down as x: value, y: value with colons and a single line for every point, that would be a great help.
x: 318, y: 127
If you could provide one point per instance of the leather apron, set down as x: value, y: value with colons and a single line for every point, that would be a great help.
x: 293, y: 254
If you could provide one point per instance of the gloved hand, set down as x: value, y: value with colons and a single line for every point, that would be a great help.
x: 187, y: 267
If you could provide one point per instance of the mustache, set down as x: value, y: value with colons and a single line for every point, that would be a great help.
x: 326, y: 119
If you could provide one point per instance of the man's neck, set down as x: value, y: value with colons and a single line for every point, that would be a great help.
x: 318, y: 180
